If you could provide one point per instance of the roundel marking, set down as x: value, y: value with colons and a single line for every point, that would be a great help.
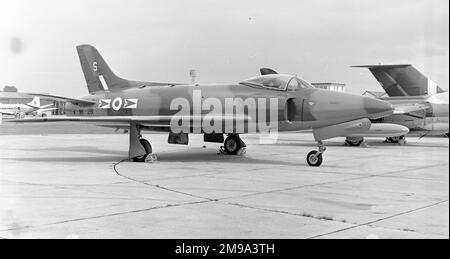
x: 117, y: 104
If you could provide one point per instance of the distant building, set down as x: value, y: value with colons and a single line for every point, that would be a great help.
x: 375, y: 94
x: 337, y: 87
x: 23, y: 98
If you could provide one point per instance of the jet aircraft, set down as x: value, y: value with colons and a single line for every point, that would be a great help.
x: 266, y: 103
x: 420, y: 104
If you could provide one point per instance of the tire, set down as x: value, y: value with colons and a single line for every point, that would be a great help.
x: 232, y: 145
x: 140, y: 159
x: 397, y: 140
x: 392, y: 140
x: 147, y: 146
x: 313, y: 159
x: 354, y: 142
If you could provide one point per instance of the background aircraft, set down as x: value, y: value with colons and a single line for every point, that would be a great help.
x: 420, y: 104
x: 138, y: 106
x: 20, y: 110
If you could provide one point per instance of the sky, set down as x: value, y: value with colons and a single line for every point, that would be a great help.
x: 226, y: 41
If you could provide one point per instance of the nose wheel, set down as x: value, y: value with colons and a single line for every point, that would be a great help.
x: 315, y: 157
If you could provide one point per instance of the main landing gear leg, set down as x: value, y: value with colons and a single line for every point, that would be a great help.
x: 140, y: 149
x: 314, y: 157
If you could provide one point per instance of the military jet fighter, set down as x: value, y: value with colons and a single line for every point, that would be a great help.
x: 420, y: 104
x: 266, y: 103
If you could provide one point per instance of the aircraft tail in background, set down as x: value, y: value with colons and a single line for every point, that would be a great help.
x: 403, y: 80
x: 35, y: 103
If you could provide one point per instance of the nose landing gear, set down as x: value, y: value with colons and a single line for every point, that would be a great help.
x: 314, y: 157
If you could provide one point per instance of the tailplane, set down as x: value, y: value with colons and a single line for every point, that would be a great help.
x: 403, y: 80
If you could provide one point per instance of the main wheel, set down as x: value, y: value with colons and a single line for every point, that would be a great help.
x: 147, y: 146
x: 232, y: 145
x: 354, y: 142
x: 397, y: 140
x: 314, y: 158
x: 140, y: 159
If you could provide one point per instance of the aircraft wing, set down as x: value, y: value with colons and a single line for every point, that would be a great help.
x: 68, y: 99
x: 39, y: 107
x: 157, y: 121
x: 43, y: 110
x: 7, y: 113
x: 145, y: 127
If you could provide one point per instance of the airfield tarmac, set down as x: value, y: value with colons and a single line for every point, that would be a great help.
x: 75, y: 186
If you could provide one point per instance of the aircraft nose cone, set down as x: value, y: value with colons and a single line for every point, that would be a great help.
x: 377, y: 108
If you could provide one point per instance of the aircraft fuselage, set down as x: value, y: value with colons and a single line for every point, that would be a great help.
x: 291, y: 110
x: 432, y: 120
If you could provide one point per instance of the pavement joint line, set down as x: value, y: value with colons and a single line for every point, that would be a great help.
x: 157, y: 186
x: 104, y: 216
x: 90, y: 197
x: 289, y: 213
x: 379, y: 220
x: 279, y: 190
x: 330, y: 220
x: 326, y: 183
x: 409, y: 231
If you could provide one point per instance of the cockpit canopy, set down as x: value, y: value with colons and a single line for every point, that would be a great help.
x: 278, y: 82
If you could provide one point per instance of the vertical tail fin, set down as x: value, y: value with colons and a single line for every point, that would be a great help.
x: 403, y: 80
x: 99, y: 77
x: 36, y: 102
